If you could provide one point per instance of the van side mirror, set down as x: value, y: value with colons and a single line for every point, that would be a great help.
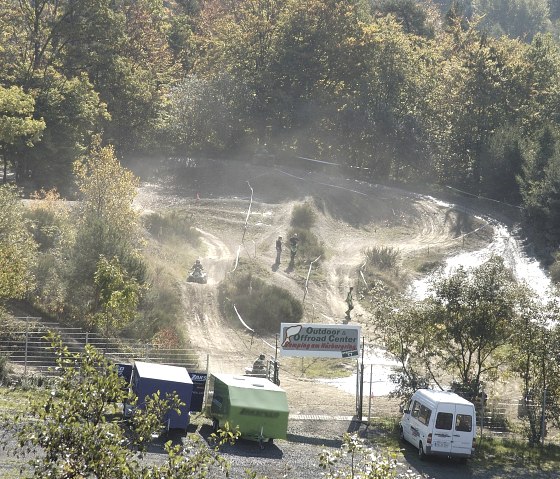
x: 406, y: 411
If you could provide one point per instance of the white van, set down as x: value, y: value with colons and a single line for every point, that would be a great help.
x: 439, y: 423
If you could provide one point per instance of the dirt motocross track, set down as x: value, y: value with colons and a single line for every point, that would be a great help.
x: 351, y: 216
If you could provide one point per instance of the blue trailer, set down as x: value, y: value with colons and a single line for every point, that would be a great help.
x: 148, y: 378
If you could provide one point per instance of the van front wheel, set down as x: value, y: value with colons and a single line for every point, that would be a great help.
x: 401, y: 434
x: 421, y: 453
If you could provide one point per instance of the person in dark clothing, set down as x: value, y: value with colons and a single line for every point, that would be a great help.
x: 259, y: 366
x: 197, y: 267
x: 349, y: 302
x: 278, y: 249
x: 294, y: 240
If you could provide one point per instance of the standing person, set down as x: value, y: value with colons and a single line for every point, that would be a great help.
x: 278, y: 249
x: 293, y: 247
x: 349, y: 302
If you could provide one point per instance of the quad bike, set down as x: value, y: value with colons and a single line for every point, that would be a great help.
x: 197, y: 276
x: 270, y: 372
x: 258, y: 373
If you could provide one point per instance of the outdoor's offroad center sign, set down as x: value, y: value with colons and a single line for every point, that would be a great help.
x: 319, y: 340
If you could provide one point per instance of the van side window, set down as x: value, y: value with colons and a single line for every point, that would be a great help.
x: 421, y: 412
x: 425, y: 414
x: 415, y: 411
x: 444, y: 420
x: 463, y: 422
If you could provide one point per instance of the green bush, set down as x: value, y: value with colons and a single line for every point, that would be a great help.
x: 171, y: 225
x: 303, y: 216
x: 383, y: 257
x: 554, y: 269
x: 309, y: 246
x: 4, y: 370
x: 159, y: 308
x: 262, y: 306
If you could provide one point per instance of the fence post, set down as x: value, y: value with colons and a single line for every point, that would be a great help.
x: 369, y: 400
x: 483, y: 401
x: 26, y: 345
x: 543, y: 420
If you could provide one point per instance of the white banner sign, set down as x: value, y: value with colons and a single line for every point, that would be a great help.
x: 319, y: 340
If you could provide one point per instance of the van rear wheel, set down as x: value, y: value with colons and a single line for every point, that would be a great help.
x: 421, y: 453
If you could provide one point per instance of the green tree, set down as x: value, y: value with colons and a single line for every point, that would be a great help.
x: 107, y: 223
x: 516, y: 18
x: 73, y: 113
x: 16, y: 122
x: 206, y: 115
x: 465, y: 329
x: 484, y: 87
x: 107, y: 192
x: 413, y: 16
x: 398, y: 326
x: 540, y: 187
x: 240, y: 38
x: 535, y: 358
x: 17, y: 248
x: 542, y: 60
x: 396, y: 100
x: 473, y: 314
x: 52, y: 229
x: 313, y: 68
x: 118, y: 296
x: 123, y: 48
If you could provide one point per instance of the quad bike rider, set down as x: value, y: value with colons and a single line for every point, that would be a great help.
x: 259, y: 368
x: 197, y: 274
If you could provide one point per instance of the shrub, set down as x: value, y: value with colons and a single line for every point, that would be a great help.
x: 262, y: 306
x: 170, y: 225
x: 309, y: 247
x: 303, y: 216
x: 159, y: 308
x: 384, y: 257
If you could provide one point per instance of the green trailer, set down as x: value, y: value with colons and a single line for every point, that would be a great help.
x: 258, y: 407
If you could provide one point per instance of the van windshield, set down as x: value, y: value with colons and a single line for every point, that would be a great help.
x: 444, y: 420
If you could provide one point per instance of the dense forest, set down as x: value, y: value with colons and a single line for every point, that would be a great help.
x: 465, y: 92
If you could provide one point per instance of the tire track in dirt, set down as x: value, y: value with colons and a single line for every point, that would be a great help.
x: 208, y: 333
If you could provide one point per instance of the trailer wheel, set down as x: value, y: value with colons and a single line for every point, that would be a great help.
x: 261, y: 443
x: 215, y: 425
